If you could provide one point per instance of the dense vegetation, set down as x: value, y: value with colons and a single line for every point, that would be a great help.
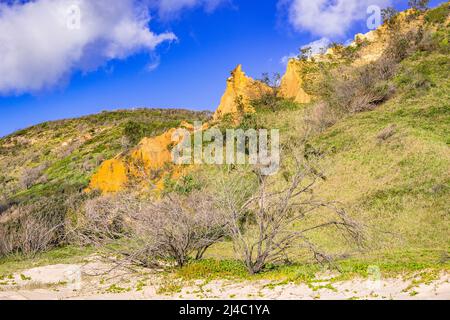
x: 376, y: 140
x: 49, y: 165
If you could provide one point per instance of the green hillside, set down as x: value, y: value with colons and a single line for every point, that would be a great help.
x: 389, y: 165
x: 386, y: 162
x: 397, y: 184
x: 62, y: 155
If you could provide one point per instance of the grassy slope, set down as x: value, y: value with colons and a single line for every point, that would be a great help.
x: 398, y: 188
x: 401, y: 185
x: 73, y: 149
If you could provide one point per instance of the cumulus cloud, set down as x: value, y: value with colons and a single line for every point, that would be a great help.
x: 44, y: 41
x: 168, y: 8
x: 328, y: 18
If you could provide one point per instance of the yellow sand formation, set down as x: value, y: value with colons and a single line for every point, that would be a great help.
x: 291, y: 86
x: 139, y: 164
x: 112, y: 176
x: 154, y: 152
x: 240, y: 90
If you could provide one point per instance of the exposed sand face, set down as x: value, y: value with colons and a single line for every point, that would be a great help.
x: 101, y: 281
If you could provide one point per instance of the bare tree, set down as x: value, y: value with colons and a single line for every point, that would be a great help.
x: 420, y: 5
x: 265, y: 225
x: 390, y: 19
x: 269, y: 98
x: 305, y: 53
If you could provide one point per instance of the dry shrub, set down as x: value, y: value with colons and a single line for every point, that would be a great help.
x: 29, y: 229
x: 101, y: 219
x: 350, y: 90
x: 402, y: 45
x: 34, y: 234
x: 387, y: 132
x: 320, y: 117
x: 38, y: 225
x: 31, y: 175
x: 177, y: 227
x: 346, y: 89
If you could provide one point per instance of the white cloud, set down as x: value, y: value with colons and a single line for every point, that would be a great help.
x: 318, y: 46
x: 168, y: 8
x: 42, y: 43
x: 284, y: 60
x: 328, y: 18
x: 153, y: 65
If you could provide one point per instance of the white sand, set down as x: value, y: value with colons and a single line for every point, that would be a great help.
x: 96, y: 280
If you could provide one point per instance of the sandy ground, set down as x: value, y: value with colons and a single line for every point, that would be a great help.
x: 97, y: 280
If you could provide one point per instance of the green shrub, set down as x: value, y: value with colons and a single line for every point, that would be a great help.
x: 272, y: 103
x: 347, y: 89
x: 136, y: 131
x: 438, y: 15
x: 184, y: 186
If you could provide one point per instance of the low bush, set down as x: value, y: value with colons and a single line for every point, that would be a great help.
x: 32, y: 228
x: 184, y: 186
x: 31, y: 175
x: 100, y: 219
x: 320, y: 117
x: 134, y: 131
x: 387, y: 132
x: 177, y: 227
x: 31, y: 225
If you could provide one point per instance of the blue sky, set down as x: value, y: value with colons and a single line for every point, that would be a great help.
x: 189, y: 72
